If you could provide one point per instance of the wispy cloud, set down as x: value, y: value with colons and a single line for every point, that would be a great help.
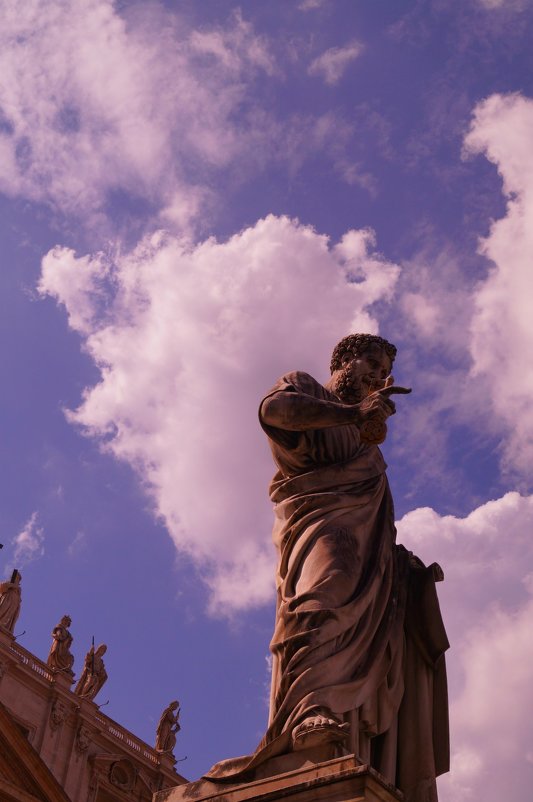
x: 309, y: 5
x: 188, y: 343
x: 29, y: 542
x: 92, y: 103
x: 77, y: 544
x: 332, y: 64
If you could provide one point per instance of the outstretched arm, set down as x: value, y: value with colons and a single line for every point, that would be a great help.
x: 298, y: 412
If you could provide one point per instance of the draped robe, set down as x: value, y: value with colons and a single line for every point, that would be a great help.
x: 358, y: 631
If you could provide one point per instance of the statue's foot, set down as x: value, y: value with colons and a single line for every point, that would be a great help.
x: 318, y: 730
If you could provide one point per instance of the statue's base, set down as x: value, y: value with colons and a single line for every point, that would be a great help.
x: 343, y: 779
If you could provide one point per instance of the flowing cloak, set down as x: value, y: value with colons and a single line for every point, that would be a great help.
x: 358, y: 627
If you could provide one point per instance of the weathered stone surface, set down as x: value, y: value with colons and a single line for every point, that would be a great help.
x: 337, y: 780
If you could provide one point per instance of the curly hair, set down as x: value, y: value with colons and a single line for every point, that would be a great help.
x: 357, y: 344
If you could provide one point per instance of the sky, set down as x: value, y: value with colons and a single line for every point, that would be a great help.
x: 195, y: 198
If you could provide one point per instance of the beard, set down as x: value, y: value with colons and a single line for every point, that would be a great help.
x: 351, y: 388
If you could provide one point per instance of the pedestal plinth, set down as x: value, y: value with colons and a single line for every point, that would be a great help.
x: 343, y: 779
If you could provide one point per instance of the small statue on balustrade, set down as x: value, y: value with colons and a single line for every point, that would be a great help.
x: 167, y: 728
x: 10, y: 598
x: 94, y: 674
x: 60, y: 657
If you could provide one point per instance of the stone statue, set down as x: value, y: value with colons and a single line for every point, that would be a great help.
x: 167, y: 728
x: 94, y: 674
x: 10, y: 598
x: 60, y: 657
x: 358, y: 646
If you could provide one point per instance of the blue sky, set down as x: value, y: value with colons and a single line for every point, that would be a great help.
x: 196, y: 198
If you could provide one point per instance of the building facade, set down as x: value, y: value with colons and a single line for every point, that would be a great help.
x: 70, y: 752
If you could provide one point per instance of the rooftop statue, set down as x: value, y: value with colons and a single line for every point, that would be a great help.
x: 94, y: 674
x: 10, y: 598
x: 167, y: 728
x: 60, y: 657
x: 358, y: 646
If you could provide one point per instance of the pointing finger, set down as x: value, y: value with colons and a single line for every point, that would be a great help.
x: 385, y: 392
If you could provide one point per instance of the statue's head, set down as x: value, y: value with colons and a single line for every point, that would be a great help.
x: 355, y: 345
x: 360, y: 362
x: 66, y: 621
x: 174, y: 705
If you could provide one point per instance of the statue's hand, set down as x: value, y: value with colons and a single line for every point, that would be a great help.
x: 374, y: 410
x: 376, y: 406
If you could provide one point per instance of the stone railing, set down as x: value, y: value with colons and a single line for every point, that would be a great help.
x: 107, y: 725
x: 121, y: 734
x: 31, y: 662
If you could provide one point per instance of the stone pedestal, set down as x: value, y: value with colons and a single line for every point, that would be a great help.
x: 342, y: 779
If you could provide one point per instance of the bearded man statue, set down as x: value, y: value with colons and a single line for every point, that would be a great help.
x: 358, y: 646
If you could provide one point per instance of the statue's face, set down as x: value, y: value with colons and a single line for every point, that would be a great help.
x: 359, y: 374
x: 373, y: 364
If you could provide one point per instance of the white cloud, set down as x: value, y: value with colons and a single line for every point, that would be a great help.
x: 235, y: 46
x: 487, y: 605
x: 308, y: 5
x: 28, y: 544
x: 422, y: 313
x: 77, y: 544
x: 502, y: 325
x: 513, y: 5
x: 92, y: 103
x: 188, y: 341
x: 331, y: 65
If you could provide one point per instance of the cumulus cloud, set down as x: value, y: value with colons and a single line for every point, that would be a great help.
x: 487, y: 597
x: 93, y: 103
x: 187, y: 341
x: 502, y: 325
x: 29, y: 542
x: 331, y: 65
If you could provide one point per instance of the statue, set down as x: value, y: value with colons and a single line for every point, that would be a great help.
x: 10, y: 598
x: 60, y: 657
x: 167, y: 728
x: 358, y: 646
x: 94, y: 674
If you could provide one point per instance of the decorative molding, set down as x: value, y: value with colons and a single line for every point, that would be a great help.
x: 83, y: 739
x: 58, y: 714
x: 123, y: 774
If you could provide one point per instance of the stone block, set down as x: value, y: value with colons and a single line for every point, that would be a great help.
x: 342, y: 779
